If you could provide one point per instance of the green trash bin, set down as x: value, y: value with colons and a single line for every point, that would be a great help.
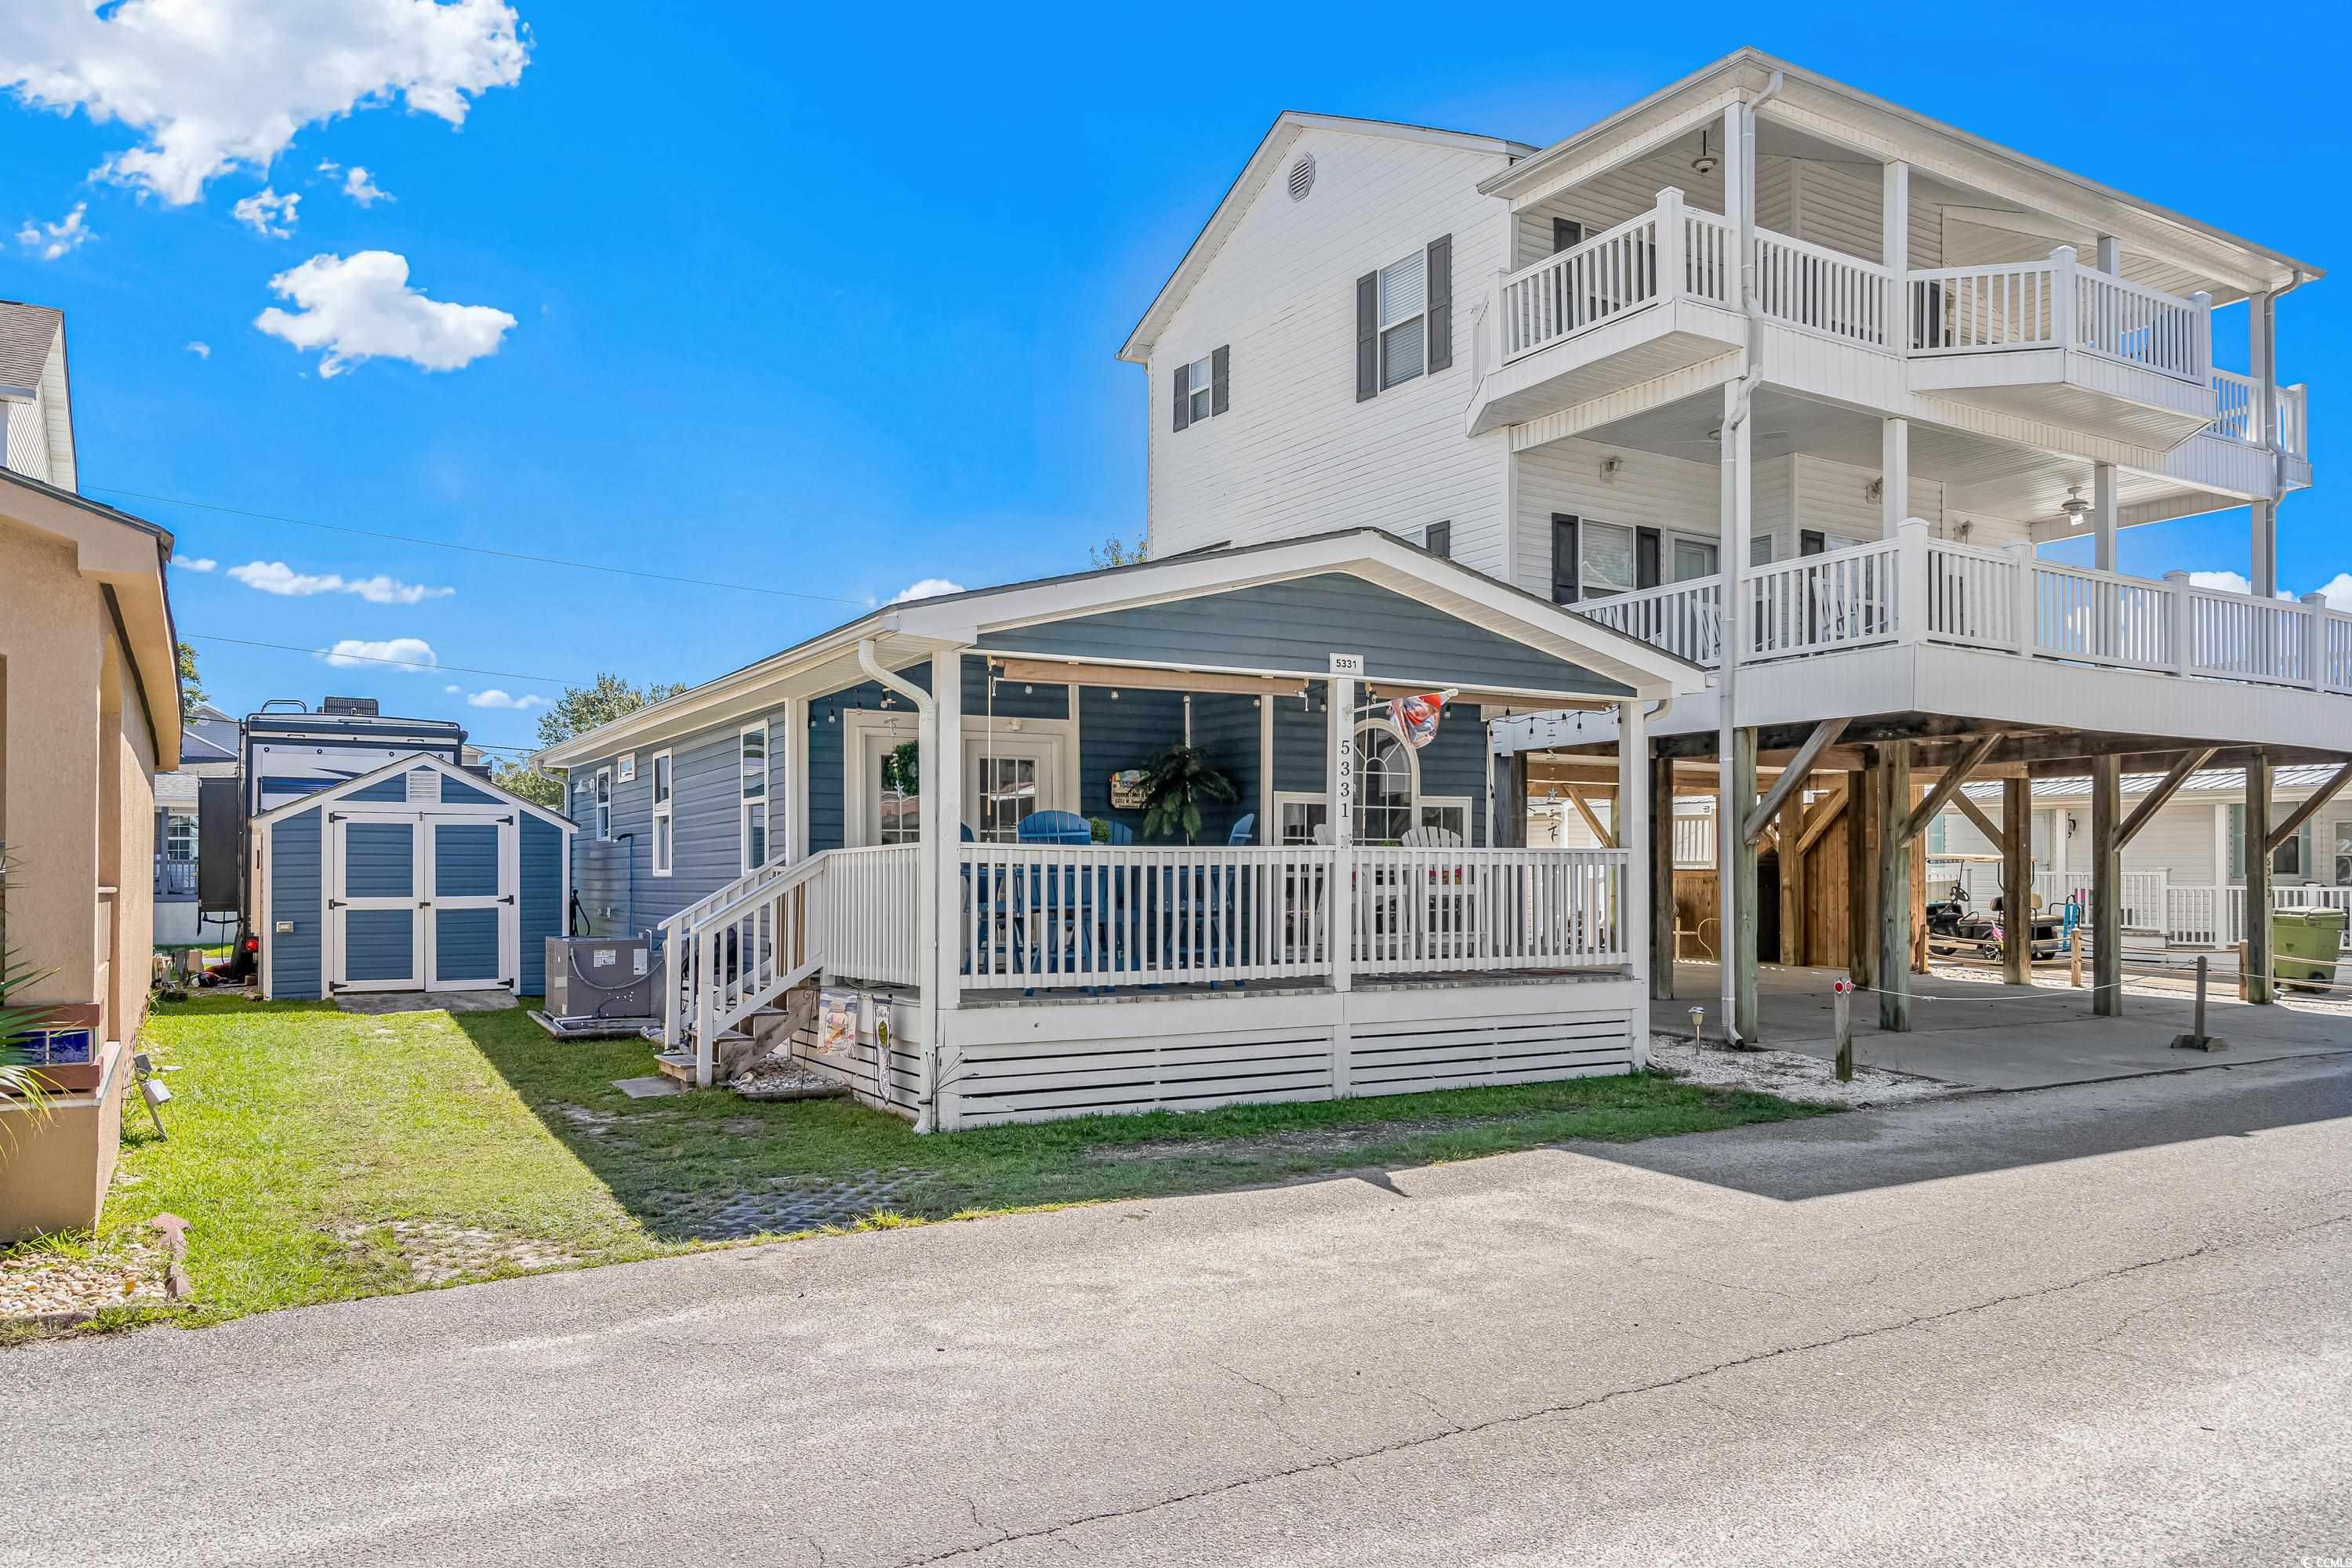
x: 2306, y: 944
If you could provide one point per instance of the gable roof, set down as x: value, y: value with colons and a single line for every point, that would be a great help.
x: 409, y: 764
x: 903, y: 633
x: 1745, y: 72
x: 1287, y: 127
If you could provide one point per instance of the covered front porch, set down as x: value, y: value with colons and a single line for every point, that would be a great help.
x: 1355, y: 913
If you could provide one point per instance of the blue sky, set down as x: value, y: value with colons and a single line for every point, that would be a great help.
x: 824, y: 307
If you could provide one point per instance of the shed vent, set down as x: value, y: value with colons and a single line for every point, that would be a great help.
x: 1302, y: 177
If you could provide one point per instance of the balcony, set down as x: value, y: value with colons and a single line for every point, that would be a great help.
x: 1917, y: 589
x: 2048, y: 340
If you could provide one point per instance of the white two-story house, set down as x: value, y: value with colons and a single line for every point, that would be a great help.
x: 1762, y: 329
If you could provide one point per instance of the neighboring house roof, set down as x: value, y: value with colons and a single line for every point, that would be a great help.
x: 414, y: 760
x: 2301, y: 777
x: 181, y: 788
x: 27, y: 333
x: 1271, y: 151
x: 1745, y: 72
x: 128, y: 557
x: 195, y: 747
x: 830, y: 661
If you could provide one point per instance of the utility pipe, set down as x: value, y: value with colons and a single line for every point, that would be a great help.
x: 1732, y: 553
x: 936, y: 836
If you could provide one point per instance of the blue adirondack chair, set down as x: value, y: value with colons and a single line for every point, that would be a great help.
x: 1058, y: 904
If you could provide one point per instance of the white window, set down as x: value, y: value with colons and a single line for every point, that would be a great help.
x: 628, y: 773
x: 1386, y: 774
x: 665, y: 833
x: 1404, y: 319
x: 1450, y: 812
x: 1197, y: 389
x: 1605, y: 559
x: 751, y: 749
x: 1759, y: 549
x: 1299, y: 815
x: 180, y: 838
x: 603, y: 799
x: 1693, y: 558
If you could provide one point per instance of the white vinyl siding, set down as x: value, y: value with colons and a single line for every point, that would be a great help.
x: 1300, y: 455
x: 1648, y: 491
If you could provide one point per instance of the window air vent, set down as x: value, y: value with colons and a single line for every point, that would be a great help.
x: 1302, y: 177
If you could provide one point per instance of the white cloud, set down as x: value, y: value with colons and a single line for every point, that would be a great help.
x: 329, y: 166
x: 200, y: 348
x: 2222, y: 582
x: 362, y: 307
x: 58, y: 238
x: 928, y: 588
x: 412, y: 654
x: 494, y: 698
x: 211, y: 85
x: 268, y: 214
x: 194, y: 562
x: 362, y: 190
x: 2337, y: 591
x: 277, y: 577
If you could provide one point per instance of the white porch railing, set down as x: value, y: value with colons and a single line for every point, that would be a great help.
x: 2235, y: 417
x: 1823, y: 291
x: 725, y: 960
x: 2055, y: 302
x: 2216, y: 917
x: 1919, y: 588
x: 1432, y: 908
x: 1667, y: 251
x: 868, y: 913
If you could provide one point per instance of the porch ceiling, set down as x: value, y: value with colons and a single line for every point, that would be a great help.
x: 1982, y: 473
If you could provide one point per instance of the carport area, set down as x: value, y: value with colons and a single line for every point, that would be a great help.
x: 1986, y: 1035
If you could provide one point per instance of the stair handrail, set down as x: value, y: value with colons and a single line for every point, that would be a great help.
x: 690, y: 1003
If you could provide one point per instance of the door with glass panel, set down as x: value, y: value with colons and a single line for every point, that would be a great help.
x: 1007, y: 780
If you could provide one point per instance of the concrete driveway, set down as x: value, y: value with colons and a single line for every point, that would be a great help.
x: 2111, y: 1322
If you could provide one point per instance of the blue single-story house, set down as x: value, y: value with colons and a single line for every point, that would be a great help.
x: 797, y: 810
x: 416, y: 876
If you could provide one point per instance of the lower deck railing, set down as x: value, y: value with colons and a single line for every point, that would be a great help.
x: 1917, y: 588
x: 2185, y: 914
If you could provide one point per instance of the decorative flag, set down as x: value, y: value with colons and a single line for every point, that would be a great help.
x: 1417, y: 717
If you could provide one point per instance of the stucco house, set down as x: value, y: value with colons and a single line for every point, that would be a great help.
x: 89, y: 702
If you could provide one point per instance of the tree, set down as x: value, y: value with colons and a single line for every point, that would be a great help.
x: 1118, y: 551
x: 579, y: 710
x: 191, y: 694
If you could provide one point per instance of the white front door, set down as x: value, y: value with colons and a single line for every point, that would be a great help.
x: 1008, y: 775
x: 376, y: 918
x: 1007, y: 778
x: 472, y: 925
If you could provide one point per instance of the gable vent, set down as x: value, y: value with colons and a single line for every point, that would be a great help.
x: 1302, y: 177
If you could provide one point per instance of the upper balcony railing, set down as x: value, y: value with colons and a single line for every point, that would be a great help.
x: 1917, y: 588
x: 1674, y: 251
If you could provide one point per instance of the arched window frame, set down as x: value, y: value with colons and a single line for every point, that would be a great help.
x: 1412, y: 775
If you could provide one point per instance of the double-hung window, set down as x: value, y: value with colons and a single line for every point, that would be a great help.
x: 752, y: 753
x: 1197, y: 384
x: 664, y: 833
x: 604, y: 801
x: 1404, y: 319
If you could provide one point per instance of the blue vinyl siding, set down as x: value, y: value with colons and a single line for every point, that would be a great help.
x: 456, y: 793
x: 378, y: 860
x: 1297, y: 626
x: 294, y: 895
x: 466, y: 944
x: 1301, y: 742
x: 539, y: 899
x: 465, y: 859
x: 393, y: 789
x: 706, y: 825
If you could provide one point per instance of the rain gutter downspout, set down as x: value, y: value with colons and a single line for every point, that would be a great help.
x: 927, y: 901
x: 1733, y: 553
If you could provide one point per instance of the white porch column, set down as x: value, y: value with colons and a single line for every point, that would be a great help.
x: 2111, y: 256
x: 1894, y: 474
x: 1340, y: 775
x: 939, y: 910
x: 2103, y: 516
x: 2262, y: 366
x: 1736, y: 183
x: 1633, y: 837
x: 1731, y: 809
x: 1895, y: 250
x: 797, y: 780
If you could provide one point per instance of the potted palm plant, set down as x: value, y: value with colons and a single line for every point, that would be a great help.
x: 20, y: 1078
x: 1179, y: 784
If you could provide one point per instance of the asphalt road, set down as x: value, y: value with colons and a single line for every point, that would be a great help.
x: 2098, y: 1324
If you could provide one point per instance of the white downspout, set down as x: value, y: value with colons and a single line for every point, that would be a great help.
x: 1732, y: 552
x: 926, y: 879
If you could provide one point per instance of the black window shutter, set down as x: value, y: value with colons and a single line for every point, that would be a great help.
x: 1221, y: 371
x: 1566, y: 234
x: 1441, y: 303
x: 1563, y: 559
x: 1183, y: 395
x: 1368, y: 337
x: 1438, y: 539
x: 1645, y: 557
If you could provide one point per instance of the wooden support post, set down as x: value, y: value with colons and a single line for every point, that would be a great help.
x: 1916, y: 843
x: 2261, y: 978
x: 1739, y: 947
x: 2106, y: 887
x: 1861, y: 930
x: 1600, y: 835
x: 1792, y: 880
x: 1511, y: 801
x: 2304, y: 812
x: 1842, y: 992
x: 2166, y: 788
x: 1662, y: 877
x: 1891, y: 803
x: 2017, y: 880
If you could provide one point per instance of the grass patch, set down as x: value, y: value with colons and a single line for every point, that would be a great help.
x: 319, y: 1156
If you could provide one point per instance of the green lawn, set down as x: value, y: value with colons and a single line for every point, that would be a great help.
x: 320, y: 1155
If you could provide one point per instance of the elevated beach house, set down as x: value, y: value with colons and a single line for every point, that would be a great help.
x: 937, y: 805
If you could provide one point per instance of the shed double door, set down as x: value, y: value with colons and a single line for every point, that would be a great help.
x: 422, y: 901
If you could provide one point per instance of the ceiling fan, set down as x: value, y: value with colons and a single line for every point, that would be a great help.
x: 2075, y: 507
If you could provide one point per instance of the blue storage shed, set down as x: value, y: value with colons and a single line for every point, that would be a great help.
x: 416, y: 877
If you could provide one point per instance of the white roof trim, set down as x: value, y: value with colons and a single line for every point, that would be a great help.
x: 1260, y: 169
x: 410, y: 764
x: 924, y: 627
